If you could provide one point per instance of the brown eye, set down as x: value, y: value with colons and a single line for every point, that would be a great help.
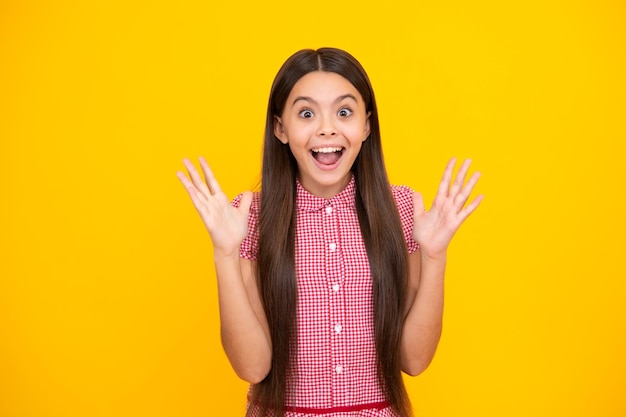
x: 344, y: 112
x: 306, y: 113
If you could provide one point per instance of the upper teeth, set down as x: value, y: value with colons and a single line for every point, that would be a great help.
x: 328, y: 150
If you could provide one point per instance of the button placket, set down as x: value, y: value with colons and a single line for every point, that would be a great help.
x: 334, y: 275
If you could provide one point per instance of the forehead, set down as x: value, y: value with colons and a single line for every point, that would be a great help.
x: 323, y: 86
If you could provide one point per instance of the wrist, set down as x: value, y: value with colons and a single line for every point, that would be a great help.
x: 433, y: 256
x: 225, y: 256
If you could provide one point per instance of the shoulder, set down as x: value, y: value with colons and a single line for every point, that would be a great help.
x: 403, y: 196
x: 256, y: 202
x: 250, y: 245
x: 401, y: 190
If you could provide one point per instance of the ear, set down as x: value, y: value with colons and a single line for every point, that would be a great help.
x: 279, y: 130
x: 366, y: 131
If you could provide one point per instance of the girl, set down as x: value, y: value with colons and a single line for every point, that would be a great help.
x: 330, y: 281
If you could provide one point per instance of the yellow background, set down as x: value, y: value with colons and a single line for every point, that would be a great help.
x: 107, y: 292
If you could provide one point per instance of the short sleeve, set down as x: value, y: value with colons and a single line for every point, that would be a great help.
x: 403, y: 196
x: 249, y: 248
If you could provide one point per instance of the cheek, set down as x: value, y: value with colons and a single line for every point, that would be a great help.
x: 358, y: 134
x: 303, y: 133
x: 298, y: 145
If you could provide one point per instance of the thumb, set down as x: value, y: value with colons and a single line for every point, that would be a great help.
x: 418, y: 203
x: 245, y: 202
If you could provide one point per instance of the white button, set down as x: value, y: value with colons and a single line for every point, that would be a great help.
x: 332, y: 247
x: 338, y: 328
x: 339, y: 369
x: 329, y: 209
x: 335, y: 287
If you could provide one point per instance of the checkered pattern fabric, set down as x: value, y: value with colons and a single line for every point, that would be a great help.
x: 334, y: 371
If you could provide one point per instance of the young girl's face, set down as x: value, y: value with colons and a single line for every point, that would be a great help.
x: 324, y: 122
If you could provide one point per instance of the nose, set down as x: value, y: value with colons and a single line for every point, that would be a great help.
x: 326, y: 129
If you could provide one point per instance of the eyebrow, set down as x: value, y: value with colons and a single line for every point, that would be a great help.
x: 309, y: 99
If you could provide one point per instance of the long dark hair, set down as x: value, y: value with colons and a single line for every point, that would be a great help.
x: 378, y: 219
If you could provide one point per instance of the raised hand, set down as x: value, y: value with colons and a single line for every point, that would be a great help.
x: 227, y: 225
x: 434, y: 229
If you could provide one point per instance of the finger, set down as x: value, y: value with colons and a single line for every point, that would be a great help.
x: 184, y: 180
x: 196, y: 179
x: 196, y: 197
x: 463, y: 214
x: 460, y: 177
x: 418, y: 203
x: 444, y: 185
x: 461, y: 198
x: 245, y: 202
x: 214, y: 187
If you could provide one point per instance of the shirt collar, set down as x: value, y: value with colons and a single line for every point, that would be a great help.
x: 306, y: 201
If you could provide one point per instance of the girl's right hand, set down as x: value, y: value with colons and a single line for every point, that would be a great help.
x: 227, y: 225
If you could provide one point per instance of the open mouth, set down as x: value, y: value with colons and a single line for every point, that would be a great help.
x: 327, y: 156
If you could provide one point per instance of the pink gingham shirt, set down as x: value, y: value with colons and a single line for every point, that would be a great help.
x: 335, y: 365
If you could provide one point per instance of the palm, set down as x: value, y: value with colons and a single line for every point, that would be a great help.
x: 434, y: 229
x: 227, y: 225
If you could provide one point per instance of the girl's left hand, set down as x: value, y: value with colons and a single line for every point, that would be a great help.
x: 434, y: 229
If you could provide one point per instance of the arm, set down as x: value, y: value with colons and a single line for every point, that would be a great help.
x: 433, y: 230
x: 423, y: 313
x: 244, y: 329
